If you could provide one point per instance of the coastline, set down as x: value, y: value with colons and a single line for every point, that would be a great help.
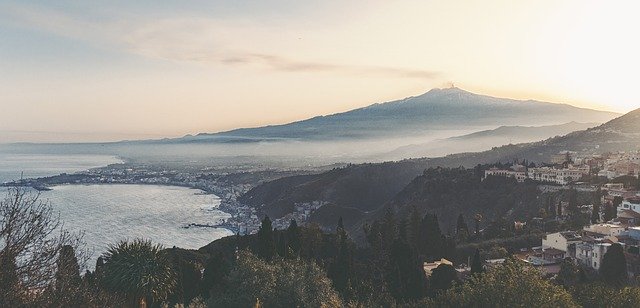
x: 242, y: 220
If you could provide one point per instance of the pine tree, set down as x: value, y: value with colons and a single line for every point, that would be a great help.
x: 551, y: 206
x: 609, y: 212
x: 293, y: 238
x: 9, y: 281
x: 477, y: 219
x: 617, y: 201
x: 476, y: 263
x: 340, y: 270
x: 569, y: 274
x: 67, y: 282
x: 442, y: 279
x: 389, y: 228
x: 404, y: 273
x: 432, y: 235
x: 573, y: 200
x: 462, y: 230
x: 414, y: 230
x: 266, y: 247
x: 595, y: 213
x: 614, y: 266
x: 559, y: 208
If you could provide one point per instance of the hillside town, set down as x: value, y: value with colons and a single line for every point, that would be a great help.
x: 615, y: 213
x: 568, y: 168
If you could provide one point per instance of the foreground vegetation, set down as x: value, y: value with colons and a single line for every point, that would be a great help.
x: 295, y: 267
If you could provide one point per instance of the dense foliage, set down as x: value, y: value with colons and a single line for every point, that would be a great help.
x: 509, y: 285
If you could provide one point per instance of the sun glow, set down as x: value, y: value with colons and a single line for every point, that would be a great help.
x: 591, y: 57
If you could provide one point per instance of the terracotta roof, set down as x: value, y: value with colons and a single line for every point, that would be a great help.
x: 628, y: 214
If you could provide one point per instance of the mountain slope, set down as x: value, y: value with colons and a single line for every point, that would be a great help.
x: 486, y: 139
x: 369, y: 187
x: 438, y: 109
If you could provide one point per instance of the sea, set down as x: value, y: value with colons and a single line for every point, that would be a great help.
x: 107, y: 213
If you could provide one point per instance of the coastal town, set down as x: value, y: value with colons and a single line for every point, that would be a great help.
x: 614, y: 213
x: 567, y: 171
x: 226, y: 183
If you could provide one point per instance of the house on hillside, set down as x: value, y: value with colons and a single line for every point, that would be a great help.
x: 516, y: 172
x: 561, y: 241
x: 628, y: 217
x: 605, y: 230
x: 632, y: 204
x: 430, y: 266
x: 590, y: 253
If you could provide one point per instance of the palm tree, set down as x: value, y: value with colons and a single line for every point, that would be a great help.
x: 138, y: 270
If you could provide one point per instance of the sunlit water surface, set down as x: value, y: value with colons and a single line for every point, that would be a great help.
x: 110, y: 213
x: 106, y: 214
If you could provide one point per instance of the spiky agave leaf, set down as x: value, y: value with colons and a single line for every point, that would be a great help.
x: 139, y: 269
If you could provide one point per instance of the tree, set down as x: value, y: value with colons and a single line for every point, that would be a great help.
x: 617, y: 201
x: 477, y: 219
x: 293, y: 238
x: 476, y: 263
x: 414, y: 229
x: 609, y: 212
x: 30, y: 241
x: 595, y: 213
x: 442, y: 278
x: 280, y: 283
x: 67, y: 286
x: 138, y: 270
x: 559, y: 209
x: 215, y: 273
x: 614, y: 266
x: 340, y: 269
x: 599, y: 295
x: 405, y: 273
x: 433, y: 244
x: 569, y: 274
x: 573, y: 200
x: 188, y: 279
x: 511, y: 285
x: 389, y: 227
x: 462, y: 230
x: 266, y: 246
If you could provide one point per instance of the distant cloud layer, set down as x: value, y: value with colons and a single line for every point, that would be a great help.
x: 290, y: 65
x: 189, y: 39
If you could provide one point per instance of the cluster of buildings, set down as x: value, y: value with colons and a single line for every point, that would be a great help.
x: 561, y: 176
x: 588, y: 246
x: 568, y: 167
x: 301, y: 213
x: 619, y: 164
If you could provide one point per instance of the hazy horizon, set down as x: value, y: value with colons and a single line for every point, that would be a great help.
x: 77, y: 71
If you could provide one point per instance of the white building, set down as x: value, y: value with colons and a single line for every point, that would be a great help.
x: 632, y: 204
x: 590, y: 254
x: 519, y: 175
x: 606, y: 229
x: 561, y: 241
x: 558, y: 176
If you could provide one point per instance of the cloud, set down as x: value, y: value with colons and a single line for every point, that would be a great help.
x: 280, y: 63
x: 194, y: 39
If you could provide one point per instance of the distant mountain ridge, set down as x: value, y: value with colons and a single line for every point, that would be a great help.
x: 382, y: 184
x: 437, y: 109
x: 486, y: 139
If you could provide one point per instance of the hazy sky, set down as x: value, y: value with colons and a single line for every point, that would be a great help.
x: 133, y: 69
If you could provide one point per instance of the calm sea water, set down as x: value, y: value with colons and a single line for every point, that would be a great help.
x: 13, y: 166
x: 107, y: 214
x: 110, y: 213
